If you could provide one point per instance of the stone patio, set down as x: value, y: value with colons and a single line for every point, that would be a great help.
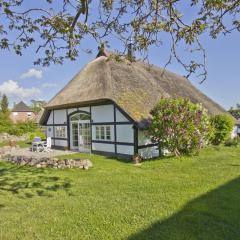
x: 28, y: 153
x: 24, y: 156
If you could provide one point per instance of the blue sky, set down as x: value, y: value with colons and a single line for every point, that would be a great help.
x: 21, y: 80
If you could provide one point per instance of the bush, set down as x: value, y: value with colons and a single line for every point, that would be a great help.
x: 38, y: 133
x: 5, y: 122
x: 180, y: 126
x: 18, y: 129
x: 223, y: 125
x: 232, y: 142
x: 26, y: 127
x: 14, y: 130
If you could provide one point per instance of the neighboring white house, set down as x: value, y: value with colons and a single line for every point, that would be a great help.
x: 105, y: 107
x: 236, y: 129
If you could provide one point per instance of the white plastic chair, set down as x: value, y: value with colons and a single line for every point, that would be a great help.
x: 36, y: 146
x: 47, y: 145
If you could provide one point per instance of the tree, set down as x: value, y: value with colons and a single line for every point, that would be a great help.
x: 57, y: 28
x: 37, y: 105
x: 4, y: 104
x: 223, y: 125
x: 5, y: 122
x: 180, y: 126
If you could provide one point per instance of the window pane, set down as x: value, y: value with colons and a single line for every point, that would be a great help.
x: 84, y: 116
x: 108, y: 133
x: 97, y: 132
x: 75, y: 117
x: 80, y: 116
x: 102, y: 132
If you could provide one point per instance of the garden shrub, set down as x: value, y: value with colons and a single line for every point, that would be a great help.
x: 27, y: 127
x: 37, y: 133
x: 18, y: 129
x: 14, y: 130
x: 223, y: 125
x: 232, y: 142
x: 180, y: 126
x: 5, y: 122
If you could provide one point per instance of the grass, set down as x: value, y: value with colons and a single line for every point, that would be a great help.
x: 174, y: 198
x: 21, y: 144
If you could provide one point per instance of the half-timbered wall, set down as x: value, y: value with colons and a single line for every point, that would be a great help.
x: 121, y: 127
x: 125, y: 138
x: 122, y: 132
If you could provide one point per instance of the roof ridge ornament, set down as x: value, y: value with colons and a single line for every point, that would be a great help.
x: 102, y: 51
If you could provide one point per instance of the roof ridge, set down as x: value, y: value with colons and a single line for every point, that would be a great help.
x: 21, y: 107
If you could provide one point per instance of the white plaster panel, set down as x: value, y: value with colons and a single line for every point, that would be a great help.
x: 143, y: 138
x: 149, y: 152
x: 234, y: 132
x: 125, y: 133
x: 86, y: 109
x: 49, y: 131
x: 60, y: 116
x: 50, y: 119
x: 103, y: 113
x: 61, y: 143
x: 103, y: 147
x: 124, y: 149
x: 70, y: 110
x: 120, y: 117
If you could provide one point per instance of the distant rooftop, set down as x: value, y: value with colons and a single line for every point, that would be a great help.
x: 21, y: 107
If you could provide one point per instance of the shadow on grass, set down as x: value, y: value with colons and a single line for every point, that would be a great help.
x: 27, y: 182
x: 215, y: 215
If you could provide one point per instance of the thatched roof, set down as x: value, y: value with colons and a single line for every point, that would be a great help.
x: 133, y: 86
x: 21, y: 107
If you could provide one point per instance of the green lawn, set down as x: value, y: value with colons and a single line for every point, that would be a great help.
x: 21, y: 144
x: 173, y: 198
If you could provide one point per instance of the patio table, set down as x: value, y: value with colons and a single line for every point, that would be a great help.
x: 37, y: 145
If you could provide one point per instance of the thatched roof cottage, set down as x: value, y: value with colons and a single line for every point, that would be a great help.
x: 104, y: 107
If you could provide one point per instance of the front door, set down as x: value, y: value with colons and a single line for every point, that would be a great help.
x: 84, y: 136
x: 81, y: 136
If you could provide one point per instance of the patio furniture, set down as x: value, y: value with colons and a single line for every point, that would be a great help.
x: 37, y: 145
x: 47, y: 145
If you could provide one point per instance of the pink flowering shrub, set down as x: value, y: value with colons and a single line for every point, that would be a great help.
x: 180, y: 126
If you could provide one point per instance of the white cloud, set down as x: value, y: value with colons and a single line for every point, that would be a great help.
x: 32, y: 72
x: 49, y: 85
x: 11, y: 88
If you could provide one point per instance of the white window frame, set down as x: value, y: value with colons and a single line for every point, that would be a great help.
x: 103, y: 132
x: 60, y: 132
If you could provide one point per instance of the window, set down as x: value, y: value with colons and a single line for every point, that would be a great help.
x: 60, y: 132
x: 29, y: 114
x: 15, y: 114
x: 103, y: 132
x: 80, y: 116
